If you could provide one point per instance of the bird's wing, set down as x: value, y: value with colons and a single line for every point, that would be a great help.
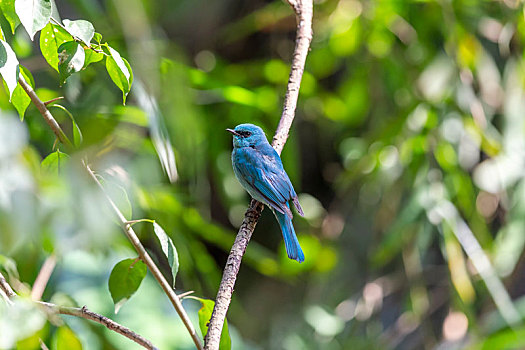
x: 267, y: 179
x: 287, y: 190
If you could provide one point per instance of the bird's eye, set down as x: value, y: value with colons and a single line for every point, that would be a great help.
x: 247, y: 133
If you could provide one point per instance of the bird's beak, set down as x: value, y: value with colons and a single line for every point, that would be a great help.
x: 233, y: 132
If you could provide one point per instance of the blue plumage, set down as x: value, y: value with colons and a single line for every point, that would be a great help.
x: 260, y: 171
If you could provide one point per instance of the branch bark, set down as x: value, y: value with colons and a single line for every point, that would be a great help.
x: 83, y: 312
x: 48, y: 117
x: 126, y: 228
x: 304, y: 13
x: 43, y: 277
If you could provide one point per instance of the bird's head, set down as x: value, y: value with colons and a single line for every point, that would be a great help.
x: 247, y: 135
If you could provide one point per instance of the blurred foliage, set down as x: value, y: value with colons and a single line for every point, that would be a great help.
x: 407, y: 152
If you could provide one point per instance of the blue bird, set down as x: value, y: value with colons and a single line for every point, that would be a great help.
x: 260, y: 171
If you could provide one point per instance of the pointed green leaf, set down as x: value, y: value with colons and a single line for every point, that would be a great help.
x: 97, y: 37
x: 81, y: 29
x: 77, y: 134
x: 71, y: 59
x: 20, y: 99
x: 125, y: 279
x: 8, y: 9
x: 204, y: 317
x: 51, y: 37
x: 92, y: 57
x: 169, y: 250
x: 66, y: 339
x: 8, y: 67
x: 34, y: 14
x: 54, y: 162
x: 120, y: 72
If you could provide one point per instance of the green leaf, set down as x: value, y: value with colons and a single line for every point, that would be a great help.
x: 8, y: 67
x: 66, y: 339
x: 120, y: 72
x: 71, y: 59
x: 92, y: 56
x: 34, y: 14
x: 169, y: 250
x: 204, y: 318
x: 51, y: 37
x: 54, y: 162
x: 77, y: 134
x: 20, y: 100
x: 8, y: 9
x: 97, y: 37
x: 125, y: 279
x: 81, y: 29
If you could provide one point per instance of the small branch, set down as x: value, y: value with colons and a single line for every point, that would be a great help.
x: 84, y: 312
x: 304, y: 13
x: 6, y: 288
x: 43, y: 277
x: 43, y: 345
x: 47, y: 103
x: 132, y: 236
x: 48, y: 117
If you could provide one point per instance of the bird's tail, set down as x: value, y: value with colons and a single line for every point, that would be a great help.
x: 290, y: 239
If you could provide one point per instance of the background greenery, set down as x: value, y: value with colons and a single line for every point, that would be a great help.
x: 407, y: 151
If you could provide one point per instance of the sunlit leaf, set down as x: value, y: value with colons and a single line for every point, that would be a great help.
x: 71, y: 59
x: 125, y: 280
x: 54, y: 163
x: 120, y: 72
x: 169, y: 250
x: 92, y: 56
x: 9, y: 68
x: 20, y: 99
x: 66, y: 339
x: 97, y: 37
x: 51, y: 37
x: 81, y: 29
x: 204, y: 317
x: 8, y: 9
x: 77, y: 134
x: 34, y: 14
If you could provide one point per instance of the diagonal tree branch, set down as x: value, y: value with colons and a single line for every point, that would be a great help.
x: 126, y: 228
x: 83, y: 312
x: 304, y: 12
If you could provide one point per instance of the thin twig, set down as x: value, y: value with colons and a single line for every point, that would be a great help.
x: 84, y: 312
x: 48, y: 117
x: 43, y: 277
x: 6, y: 288
x: 122, y: 220
x: 145, y: 257
x: 47, y: 103
x: 304, y: 13
x: 43, y: 345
